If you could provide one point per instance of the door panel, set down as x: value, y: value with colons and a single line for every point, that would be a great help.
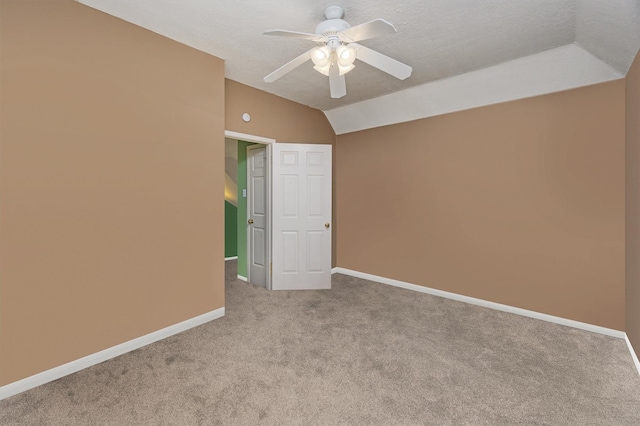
x: 301, y: 217
x: 290, y: 251
x: 257, y: 213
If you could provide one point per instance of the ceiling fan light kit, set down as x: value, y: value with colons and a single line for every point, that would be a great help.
x: 323, y: 61
x: 337, y: 50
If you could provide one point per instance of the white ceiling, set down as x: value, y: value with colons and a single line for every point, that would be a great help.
x: 587, y: 41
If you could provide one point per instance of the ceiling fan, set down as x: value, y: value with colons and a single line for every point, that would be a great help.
x: 337, y: 49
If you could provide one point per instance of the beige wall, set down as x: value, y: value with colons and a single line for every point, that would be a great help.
x: 520, y: 203
x: 280, y: 119
x: 111, y: 184
x: 274, y: 117
x: 632, y: 85
x: 111, y: 181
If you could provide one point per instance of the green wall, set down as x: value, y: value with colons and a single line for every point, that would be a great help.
x: 230, y: 230
x: 242, y: 208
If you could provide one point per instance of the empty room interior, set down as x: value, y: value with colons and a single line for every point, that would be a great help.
x: 482, y: 232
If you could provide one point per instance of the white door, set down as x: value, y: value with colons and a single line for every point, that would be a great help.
x: 257, y: 215
x: 301, y: 210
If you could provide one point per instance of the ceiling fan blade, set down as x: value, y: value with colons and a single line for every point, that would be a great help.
x: 295, y: 34
x: 289, y: 66
x: 375, y: 28
x: 337, y: 82
x: 382, y: 62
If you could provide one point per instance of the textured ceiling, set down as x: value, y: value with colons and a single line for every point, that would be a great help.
x: 440, y: 39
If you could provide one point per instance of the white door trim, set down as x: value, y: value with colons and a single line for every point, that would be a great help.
x: 248, y: 138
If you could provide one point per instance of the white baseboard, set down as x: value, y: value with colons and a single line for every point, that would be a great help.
x: 241, y: 278
x: 104, y: 355
x: 483, y: 303
x: 231, y: 258
x: 633, y: 353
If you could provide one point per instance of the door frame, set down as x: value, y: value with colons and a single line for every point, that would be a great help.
x: 268, y: 142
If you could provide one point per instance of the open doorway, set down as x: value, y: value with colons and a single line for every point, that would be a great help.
x: 283, y: 213
x: 231, y: 200
x: 240, y: 233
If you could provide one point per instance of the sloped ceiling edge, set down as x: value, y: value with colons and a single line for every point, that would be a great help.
x: 563, y: 68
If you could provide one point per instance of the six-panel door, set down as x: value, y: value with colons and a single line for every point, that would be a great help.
x: 301, y: 210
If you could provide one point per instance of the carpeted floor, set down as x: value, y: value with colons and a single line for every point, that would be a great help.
x: 361, y: 353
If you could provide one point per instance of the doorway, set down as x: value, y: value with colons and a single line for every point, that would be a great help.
x: 237, y: 145
x: 284, y: 213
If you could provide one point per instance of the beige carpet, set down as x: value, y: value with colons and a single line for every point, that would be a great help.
x: 361, y: 353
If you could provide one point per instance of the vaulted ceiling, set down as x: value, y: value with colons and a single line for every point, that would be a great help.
x: 464, y: 53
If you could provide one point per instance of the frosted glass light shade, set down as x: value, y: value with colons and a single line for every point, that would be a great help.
x: 323, y: 70
x: 344, y: 70
x: 346, y: 55
x: 321, y: 56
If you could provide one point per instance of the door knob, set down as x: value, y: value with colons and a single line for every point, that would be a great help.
x: 250, y: 221
x: 327, y: 225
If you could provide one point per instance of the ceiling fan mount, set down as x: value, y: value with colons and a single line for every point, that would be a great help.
x: 337, y: 49
x: 334, y: 22
x: 334, y: 12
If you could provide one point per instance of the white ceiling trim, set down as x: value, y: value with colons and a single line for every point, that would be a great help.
x: 555, y: 70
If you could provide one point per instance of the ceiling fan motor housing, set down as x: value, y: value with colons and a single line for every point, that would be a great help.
x: 332, y: 26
